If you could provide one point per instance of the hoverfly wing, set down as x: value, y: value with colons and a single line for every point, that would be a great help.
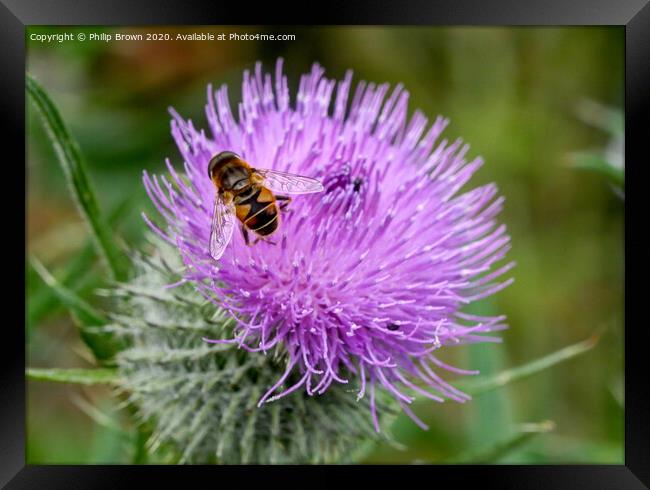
x: 286, y: 183
x: 223, y: 224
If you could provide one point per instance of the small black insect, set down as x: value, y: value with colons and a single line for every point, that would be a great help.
x: 357, y: 184
x: 392, y: 327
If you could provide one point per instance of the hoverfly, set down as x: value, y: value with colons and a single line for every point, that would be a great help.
x: 251, y: 195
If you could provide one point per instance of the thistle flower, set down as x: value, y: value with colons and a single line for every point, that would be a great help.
x: 367, y: 279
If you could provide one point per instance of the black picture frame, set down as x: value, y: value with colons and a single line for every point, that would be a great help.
x: 632, y: 15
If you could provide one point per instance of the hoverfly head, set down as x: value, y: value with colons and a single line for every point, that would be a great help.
x: 220, y: 159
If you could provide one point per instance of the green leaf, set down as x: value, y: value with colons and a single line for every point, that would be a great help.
x: 42, y: 300
x: 75, y: 172
x: 100, y: 417
x: 74, y: 375
x: 489, y: 418
x: 601, y: 116
x: 596, y: 162
x: 142, y: 435
x: 102, y: 344
x: 482, y: 384
x: 576, y: 450
x: 498, y: 451
x: 87, y: 315
x: 615, y: 124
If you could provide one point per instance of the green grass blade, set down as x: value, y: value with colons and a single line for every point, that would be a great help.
x: 75, y: 172
x: 74, y: 375
x: 482, y: 384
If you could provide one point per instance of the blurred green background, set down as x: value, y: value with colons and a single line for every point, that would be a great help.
x: 524, y: 98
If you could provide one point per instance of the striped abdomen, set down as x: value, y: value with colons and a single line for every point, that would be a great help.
x: 256, y: 209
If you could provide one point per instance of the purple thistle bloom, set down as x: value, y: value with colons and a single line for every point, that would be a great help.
x: 367, y: 278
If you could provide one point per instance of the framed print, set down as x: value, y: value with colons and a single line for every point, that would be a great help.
x: 353, y: 246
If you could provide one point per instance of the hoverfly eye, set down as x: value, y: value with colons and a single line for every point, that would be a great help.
x: 211, y: 166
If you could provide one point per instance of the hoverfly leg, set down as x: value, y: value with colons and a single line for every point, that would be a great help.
x: 244, y: 232
x: 287, y: 201
x: 263, y: 239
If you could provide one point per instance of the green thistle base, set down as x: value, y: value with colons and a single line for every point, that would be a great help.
x: 201, y: 399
